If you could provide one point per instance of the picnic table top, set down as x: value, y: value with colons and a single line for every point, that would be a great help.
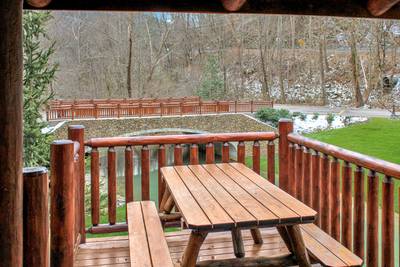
x: 227, y: 195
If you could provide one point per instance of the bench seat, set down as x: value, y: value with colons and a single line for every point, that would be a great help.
x: 147, y: 244
x: 326, y: 250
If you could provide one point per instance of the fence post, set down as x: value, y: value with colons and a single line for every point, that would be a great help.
x: 235, y: 106
x: 285, y: 128
x: 251, y: 106
x: 36, y: 217
x: 62, y: 208
x: 72, y: 111
x: 77, y: 133
x: 118, y: 110
x: 217, y: 107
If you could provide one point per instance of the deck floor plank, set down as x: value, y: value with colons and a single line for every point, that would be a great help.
x: 114, y: 251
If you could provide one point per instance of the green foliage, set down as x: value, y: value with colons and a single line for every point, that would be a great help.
x: 330, y: 118
x: 212, y: 85
x: 273, y: 115
x: 38, y: 75
x: 301, y: 115
x: 296, y: 114
x: 315, y: 116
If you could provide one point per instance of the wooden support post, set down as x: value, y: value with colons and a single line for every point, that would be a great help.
x: 62, y: 204
x: 77, y: 133
x: 298, y: 246
x: 192, y: 250
x: 36, y: 217
x: 237, y: 240
x: 11, y: 133
x: 285, y: 128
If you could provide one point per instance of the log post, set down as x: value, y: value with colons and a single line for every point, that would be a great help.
x: 62, y: 204
x: 36, y: 217
x: 285, y: 128
x: 77, y: 133
x: 11, y: 133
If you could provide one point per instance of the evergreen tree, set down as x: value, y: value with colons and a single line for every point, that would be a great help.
x: 212, y: 85
x: 38, y: 75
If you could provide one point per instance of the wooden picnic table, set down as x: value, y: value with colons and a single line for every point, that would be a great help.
x: 232, y: 197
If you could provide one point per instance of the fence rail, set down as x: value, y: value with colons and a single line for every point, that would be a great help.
x: 115, y: 108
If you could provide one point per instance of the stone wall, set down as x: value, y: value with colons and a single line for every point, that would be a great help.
x: 194, y: 124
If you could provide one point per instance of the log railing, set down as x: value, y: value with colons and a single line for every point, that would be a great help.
x: 333, y: 181
x: 162, y: 143
x: 123, y: 108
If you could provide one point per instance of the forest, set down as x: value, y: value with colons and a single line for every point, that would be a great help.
x: 289, y: 59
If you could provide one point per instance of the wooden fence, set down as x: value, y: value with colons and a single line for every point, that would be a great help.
x: 144, y: 108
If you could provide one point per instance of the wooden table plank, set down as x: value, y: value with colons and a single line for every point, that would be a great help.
x: 191, y: 211
x: 262, y: 214
x: 307, y: 214
x: 239, y: 214
x: 274, y: 205
x: 137, y: 236
x: 215, y: 213
x: 155, y: 236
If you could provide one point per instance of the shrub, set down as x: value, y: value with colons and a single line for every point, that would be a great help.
x: 273, y: 116
x: 315, y: 116
x: 303, y: 116
x: 296, y: 114
x: 330, y: 118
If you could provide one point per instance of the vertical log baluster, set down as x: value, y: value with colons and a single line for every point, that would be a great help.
x: 347, y: 205
x: 271, y: 162
x: 210, y: 158
x: 306, y: 192
x: 95, y: 186
x: 241, y: 152
x: 359, y: 213
x: 161, y: 163
x: 285, y: 127
x: 225, y: 152
x: 372, y: 220
x: 316, y: 186
x: 256, y: 157
x: 194, y: 154
x: 128, y: 174
x: 335, y: 199
x: 178, y: 158
x: 388, y: 222
x: 145, y: 172
x: 298, y: 171
x: 324, y: 179
x: 112, y: 186
x: 291, y: 169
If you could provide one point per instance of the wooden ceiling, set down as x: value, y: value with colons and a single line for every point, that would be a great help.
x: 343, y: 8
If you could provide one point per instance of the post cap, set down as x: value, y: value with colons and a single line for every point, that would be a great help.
x: 34, y: 171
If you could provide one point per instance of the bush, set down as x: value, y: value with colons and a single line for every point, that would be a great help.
x: 330, y: 118
x: 303, y: 116
x: 296, y: 114
x: 315, y: 116
x: 273, y: 116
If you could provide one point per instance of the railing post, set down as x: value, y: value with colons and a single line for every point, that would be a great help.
x: 62, y: 201
x: 36, y: 217
x: 285, y: 128
x: 77, y: 133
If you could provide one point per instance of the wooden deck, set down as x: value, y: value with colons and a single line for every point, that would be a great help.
x: 114, y: 251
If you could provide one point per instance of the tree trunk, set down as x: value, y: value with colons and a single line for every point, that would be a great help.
x: 262, y: 52
x: 280, y: 70
x: 359, y: 102
x: 129, y: 68
x: 321, y: 63
x: 11, y: 65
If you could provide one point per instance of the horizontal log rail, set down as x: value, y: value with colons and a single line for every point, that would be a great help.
x: 162, y: 143
x: 344, y: 187
x: 371, y: 163
x: 122, y: 108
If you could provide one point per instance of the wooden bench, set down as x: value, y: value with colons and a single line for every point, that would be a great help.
x: 326, y: 250
x: 147, y: 244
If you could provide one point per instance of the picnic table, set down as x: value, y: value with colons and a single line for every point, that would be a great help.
x: 232, y: 197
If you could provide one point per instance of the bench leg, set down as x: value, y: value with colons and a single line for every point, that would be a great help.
x: 298, y: 246
x: 257, y: 237
x: 192, y: 249
x: 285, y: 237
x: 167, y: 202
x: 238, y: 247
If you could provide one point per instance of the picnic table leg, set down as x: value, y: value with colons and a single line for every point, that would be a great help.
x: 256, y: 234
x: 238, y: 247
x: 298, y: 246
x: 192, y: 249
x: 285, y: 237
x: 167, y: 202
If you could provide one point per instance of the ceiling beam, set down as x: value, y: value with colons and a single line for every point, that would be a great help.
x: 379, y: 7
x: 341, y: 8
